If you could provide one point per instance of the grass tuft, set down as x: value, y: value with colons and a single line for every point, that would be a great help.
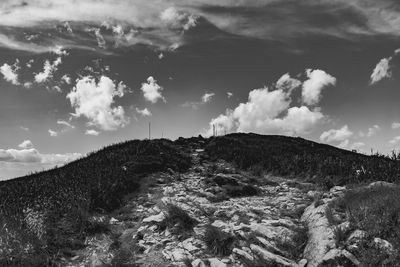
x: 218, y: 241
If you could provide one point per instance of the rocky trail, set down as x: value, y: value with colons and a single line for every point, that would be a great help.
x: 216, y: 216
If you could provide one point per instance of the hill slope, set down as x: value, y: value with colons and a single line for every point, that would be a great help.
x: 50, y: 213
x: 323, y: 164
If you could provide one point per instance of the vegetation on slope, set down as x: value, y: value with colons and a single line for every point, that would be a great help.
x: 323, y: 164
x: 376, y: 211
x: 50, y: 209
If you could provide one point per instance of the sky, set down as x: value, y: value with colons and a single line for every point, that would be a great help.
x: 76, y: 76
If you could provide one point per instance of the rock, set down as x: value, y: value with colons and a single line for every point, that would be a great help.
x: 337, y: 189
x: 243, y: 254
x: 268, y: 256
x: 180, y: 255
x: 219, y: 224
x: 198, y: 263
x: 321, y: 237
x: 155, y: 218
x: 302, y: 263
x: 113, y: 220
x: 272, y: 232
x: 214, y: 262
x: 383, y: 245
x: 343, y: 257
x: 224, y: 179
x: 381, y: 183
x: 313, y: 194
x: 355, y: 238
x: 188, y: 245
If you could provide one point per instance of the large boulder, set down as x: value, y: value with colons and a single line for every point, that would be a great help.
x: 321, y: 236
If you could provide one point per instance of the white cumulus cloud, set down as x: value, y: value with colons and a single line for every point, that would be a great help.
x: 317, y: 81
x: 144, y: 112
x: 27, y: 144
x: 28, y: 154
x: 381, y: 70
x: 10, y: 72
x: 177, y: 19
x: 92, y: 132
x: 152, y: 91
x: 373, y: 130
x: 269, y: 111
x: 207, y: 97
x: 336, y: 135
x: 48, y: 70
x: 395, y: 125
x: 96, y: 102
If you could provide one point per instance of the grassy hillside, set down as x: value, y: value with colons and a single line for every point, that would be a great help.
x: 45, y: 212
x: 288, y: 156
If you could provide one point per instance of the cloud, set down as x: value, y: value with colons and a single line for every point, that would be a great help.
x: 92, y: 132
x: 95, y: 101
x: 395, y: 125
x: 10, y: 72
x: 144, y: 112
x: 269, y: 111
x: 152, y: 91
x: 65, y: 123
x: 373, y: 130
x: 312, y: 88
x: 53, y: 133
x: 28, y: 154
x: 27, y: 144
x: 336, y: 135
x: 381, y: 71
x: 287, y: 83
x: 66, y: 79
x: 177, y: 19
x: 101, y: 42
x: 395, y: 140
x: 207, y: 97
x: 357, y: 145
x: 161, y: 23
x: 28, y: 85
x: 48, y: 70
x: 29, y: 63
x: 24, y: 128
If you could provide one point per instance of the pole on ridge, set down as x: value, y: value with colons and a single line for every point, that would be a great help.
x: 149, y: 130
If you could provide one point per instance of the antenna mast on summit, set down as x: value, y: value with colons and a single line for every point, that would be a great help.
x: 149, y: 130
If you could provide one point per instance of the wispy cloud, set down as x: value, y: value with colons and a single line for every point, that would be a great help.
x: 165, y: 23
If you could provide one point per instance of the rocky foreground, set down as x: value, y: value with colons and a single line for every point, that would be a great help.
x: 216, y: 216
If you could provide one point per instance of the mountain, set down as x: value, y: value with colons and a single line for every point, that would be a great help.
x: 238, y: 199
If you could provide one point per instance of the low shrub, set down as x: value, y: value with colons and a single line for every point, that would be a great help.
x: 217, y: 241
x: 178, y: 219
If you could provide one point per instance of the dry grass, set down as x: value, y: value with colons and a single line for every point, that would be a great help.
x: 376, y: 211
x: 217, y: 241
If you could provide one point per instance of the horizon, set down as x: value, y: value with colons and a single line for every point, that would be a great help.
x: 78, y: 76
x: 52, y: 167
